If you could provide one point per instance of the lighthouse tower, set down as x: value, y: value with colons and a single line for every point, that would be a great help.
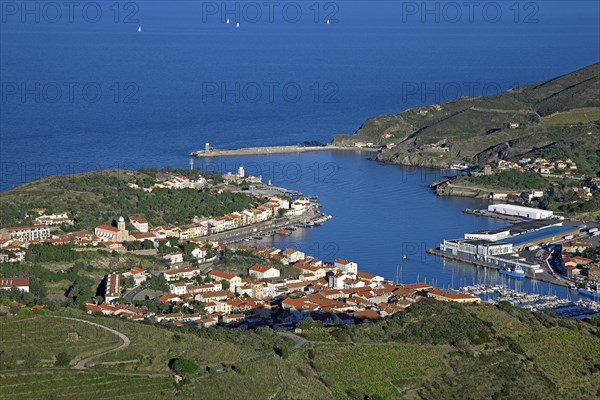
x: 206, y: 146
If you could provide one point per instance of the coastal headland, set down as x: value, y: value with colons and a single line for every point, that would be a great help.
x: 277, y: 150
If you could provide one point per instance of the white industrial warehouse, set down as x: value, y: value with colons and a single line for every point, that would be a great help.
x: 520, y: 211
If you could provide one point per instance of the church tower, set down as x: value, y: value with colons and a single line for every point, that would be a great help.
x: 121, y: 224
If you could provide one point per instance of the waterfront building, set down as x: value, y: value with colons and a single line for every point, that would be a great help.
x: 443, y: 295
x: 520, y: 211
x: 346, y: 266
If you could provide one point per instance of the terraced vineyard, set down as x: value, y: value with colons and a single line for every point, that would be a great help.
x: 383, y: 370
x: 30, y: 342
x: 51, y: 385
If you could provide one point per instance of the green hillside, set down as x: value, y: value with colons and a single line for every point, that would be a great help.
x: 559, y: 117
x: 99, y: 197
x: 435, y: 350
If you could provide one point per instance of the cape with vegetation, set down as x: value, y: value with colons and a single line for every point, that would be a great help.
x: 99, y: 197
x: 558, y: 118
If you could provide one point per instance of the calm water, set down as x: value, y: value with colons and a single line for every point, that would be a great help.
x: 380, y: 213
x: 86, y: 91
x: 89, y: 92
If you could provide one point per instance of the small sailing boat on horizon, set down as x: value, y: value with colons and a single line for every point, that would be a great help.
x: 139, y: 28
x: 227, y: 21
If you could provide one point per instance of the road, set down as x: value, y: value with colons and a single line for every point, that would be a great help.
x: 132, y: 293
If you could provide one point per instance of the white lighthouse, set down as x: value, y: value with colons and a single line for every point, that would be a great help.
x: 206, y: 146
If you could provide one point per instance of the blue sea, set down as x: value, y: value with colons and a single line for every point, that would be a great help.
x: 123, y: 84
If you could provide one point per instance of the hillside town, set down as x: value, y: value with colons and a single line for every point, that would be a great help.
x: 120, y: 233
x: 334, y: 293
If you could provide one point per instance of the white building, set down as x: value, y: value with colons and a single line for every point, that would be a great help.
x: 261, y: 271
x: 489, y: 234
x: 139, y: 223
x: 113, y: 287
x: 19, y: 283
x: 199, y: 253
x: 346, y: 266
x: 292, y: 255
x: 520, y: 211
x: 138, y: 275
x: 480, y: 249
x: 178, y: 288
x: 174, y: 258
x: 26, y: 233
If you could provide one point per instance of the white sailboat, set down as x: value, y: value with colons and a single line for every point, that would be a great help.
x: 227, y: 21
x: 327, y: 22
x: 237, y: 25
x: 139, y: 28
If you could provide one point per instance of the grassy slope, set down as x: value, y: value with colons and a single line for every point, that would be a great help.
x: 527, y: 356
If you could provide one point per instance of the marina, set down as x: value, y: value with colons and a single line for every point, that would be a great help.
x: 494, y: 294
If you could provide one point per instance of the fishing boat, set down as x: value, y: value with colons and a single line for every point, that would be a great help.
x: 283, y: 232
x: 590, y: 290
x: 516, y: 272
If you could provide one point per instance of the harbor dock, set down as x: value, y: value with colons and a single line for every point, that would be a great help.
x: 543, y: 276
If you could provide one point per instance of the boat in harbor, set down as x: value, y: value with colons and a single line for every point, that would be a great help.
x: 590, y: 290
x: 516, y: 272
x: 283, y: 232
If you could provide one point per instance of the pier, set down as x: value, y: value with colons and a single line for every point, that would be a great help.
x: 247, y: 151
x: 486, y: 213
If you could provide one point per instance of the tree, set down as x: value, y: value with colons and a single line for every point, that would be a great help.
x: 183, y: 366
x: 226, y: 285
x: 159, y: 283
x: 62, y: 359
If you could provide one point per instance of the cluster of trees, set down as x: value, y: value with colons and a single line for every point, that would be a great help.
x: 81, y: 289
x: 510, y: 180
x: 565, y: 200
x: 137, y: 245
x: 425, y: 322
x: 47, y: 252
